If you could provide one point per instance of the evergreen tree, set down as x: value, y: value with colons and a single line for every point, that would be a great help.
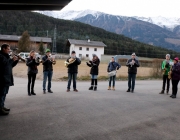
x: 41, y: 48
x: 24, y: 42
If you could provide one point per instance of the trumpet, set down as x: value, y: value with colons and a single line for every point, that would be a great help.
x: 38, y: 60
x: 71, y: 60
x: 52, y: 60
x: 18, y: 56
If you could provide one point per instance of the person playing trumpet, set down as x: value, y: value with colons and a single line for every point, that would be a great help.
x: 47, y: 62
x: 94, y: 64
x: 32, y: 72
x: 72, y: 70
x: 166, y: 68
x: 6, y: 75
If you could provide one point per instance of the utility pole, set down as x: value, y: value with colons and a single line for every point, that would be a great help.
x: 54, y: 50
x: 47, y: 33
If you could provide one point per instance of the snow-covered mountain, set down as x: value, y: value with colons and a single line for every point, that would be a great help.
x: 167, y: 23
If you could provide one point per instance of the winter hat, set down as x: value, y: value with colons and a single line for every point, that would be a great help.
x: 94, y: 55
x: 133, y: 54
x: 73, y: 52
x: 168, y: 55
x: 48, y: 50
x: 176, y: 58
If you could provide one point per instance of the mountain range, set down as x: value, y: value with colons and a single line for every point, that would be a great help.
x: 157, y: 31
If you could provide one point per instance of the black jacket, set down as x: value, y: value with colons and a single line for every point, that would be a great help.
x: 73, y: 68
x: 132, y: 69
x: 6, y: 75
x: 94, y: 67
x: 32, y: 66
x: 47, y: 64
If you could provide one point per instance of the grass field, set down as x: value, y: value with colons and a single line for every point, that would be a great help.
x: 60, y: 71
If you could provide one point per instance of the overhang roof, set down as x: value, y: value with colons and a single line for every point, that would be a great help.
x: 86, y: 43
x: 33, y: 39
x: 33, y: 4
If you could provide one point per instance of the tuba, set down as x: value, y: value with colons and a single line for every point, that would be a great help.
x: 71, y: 60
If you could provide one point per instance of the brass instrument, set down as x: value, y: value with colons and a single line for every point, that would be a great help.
x: 38, y: 60
x: 18, y: 56
x: 164, y: 70
x: 53, y: 61
x: 71, y: 60
x: 170, y: 73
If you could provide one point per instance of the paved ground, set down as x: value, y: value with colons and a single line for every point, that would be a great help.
x: 89, y: 115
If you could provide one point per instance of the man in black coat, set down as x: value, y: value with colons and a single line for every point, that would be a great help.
x: 6, y: 76
x: 132, y: 65
x: 73, y: 70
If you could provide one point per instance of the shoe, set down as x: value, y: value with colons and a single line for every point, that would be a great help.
x: 128, y: 90
x: 50, y: 91
x: 167, y: 92
x: 32, y: 93
x: 109, y: 88
x: 91, y: 88
x: 29, y: 93
x: 95, y: 88
x: 75, y: 90
x: 3, y: 112
x: 132, y: 91
x: 6, y: 109
x: 173, y: 96
x: 162, y: 92
x: 44, y: 91
x: 113, y: 88
x: 68, y: 90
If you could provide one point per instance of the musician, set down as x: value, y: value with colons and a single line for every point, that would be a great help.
x: 73, y: 70
x: 6, y: 76
x: 166, y: 68
x: 175, y: 77
x: 94, y: 64
x: 47, y: 62
x: 132, y: 65
x: 32, y: 71
x: 111, y: 67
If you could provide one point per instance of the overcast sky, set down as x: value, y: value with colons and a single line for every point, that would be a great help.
x: 146, y: 8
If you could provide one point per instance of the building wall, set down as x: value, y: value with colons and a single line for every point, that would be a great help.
x: 87, y: 54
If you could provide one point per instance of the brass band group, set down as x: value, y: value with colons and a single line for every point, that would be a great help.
x: 171, y: 71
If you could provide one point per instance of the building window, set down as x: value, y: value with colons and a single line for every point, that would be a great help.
x: 80, y: 48
x: 95, y: 49
x: 87, y: 49
x: 80, y: 55
x: 87, y: 55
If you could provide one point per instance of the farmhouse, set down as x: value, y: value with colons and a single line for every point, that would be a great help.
x: 12, y: 40
x: 86, y: 48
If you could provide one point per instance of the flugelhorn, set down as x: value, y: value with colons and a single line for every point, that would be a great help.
x: 71, y: 60
x: 18, y: 56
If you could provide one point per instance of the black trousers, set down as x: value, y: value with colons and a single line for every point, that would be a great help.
x: 166, y: 79
x: 175, y: 86
x: 31, y: 82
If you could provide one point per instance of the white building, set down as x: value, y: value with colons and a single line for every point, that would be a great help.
x: 86, y: 48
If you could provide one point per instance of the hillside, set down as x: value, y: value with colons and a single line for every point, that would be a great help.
x: 15, y: 22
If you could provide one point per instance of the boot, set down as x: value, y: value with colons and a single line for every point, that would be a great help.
x: 32, y: 92
x: 3, y: 112
x: 109, y: 88
x: 128, y: 90
x: 173, y: 96
x: 113, y: 88
x: 6, y: 109
x: 95, y: 88
x: 91, y: 88
x: 162, y: 92
x: 167, y: 92
x: 29, y: 93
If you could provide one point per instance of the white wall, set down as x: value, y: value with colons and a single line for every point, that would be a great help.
x: 99, y: 52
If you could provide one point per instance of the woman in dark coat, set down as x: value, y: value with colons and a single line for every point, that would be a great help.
x: 32, y: 71
x: 175, y: 77
x: 94, y: 64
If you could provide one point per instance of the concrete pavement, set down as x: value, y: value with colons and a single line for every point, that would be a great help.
x: 91, y: 115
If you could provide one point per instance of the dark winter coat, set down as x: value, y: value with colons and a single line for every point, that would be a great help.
x: 6, y: 75
x: 112, y: 66
x: 176, y: 71
x: 94, y: 67
x: 132, y: 69
x: 73, y: 68
x: 47, y: 64
x: 32, y: 66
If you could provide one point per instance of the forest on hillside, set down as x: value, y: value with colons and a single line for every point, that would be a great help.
x: 16, y: 22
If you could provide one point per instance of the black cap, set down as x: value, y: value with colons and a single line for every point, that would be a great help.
x: 73, y: 52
